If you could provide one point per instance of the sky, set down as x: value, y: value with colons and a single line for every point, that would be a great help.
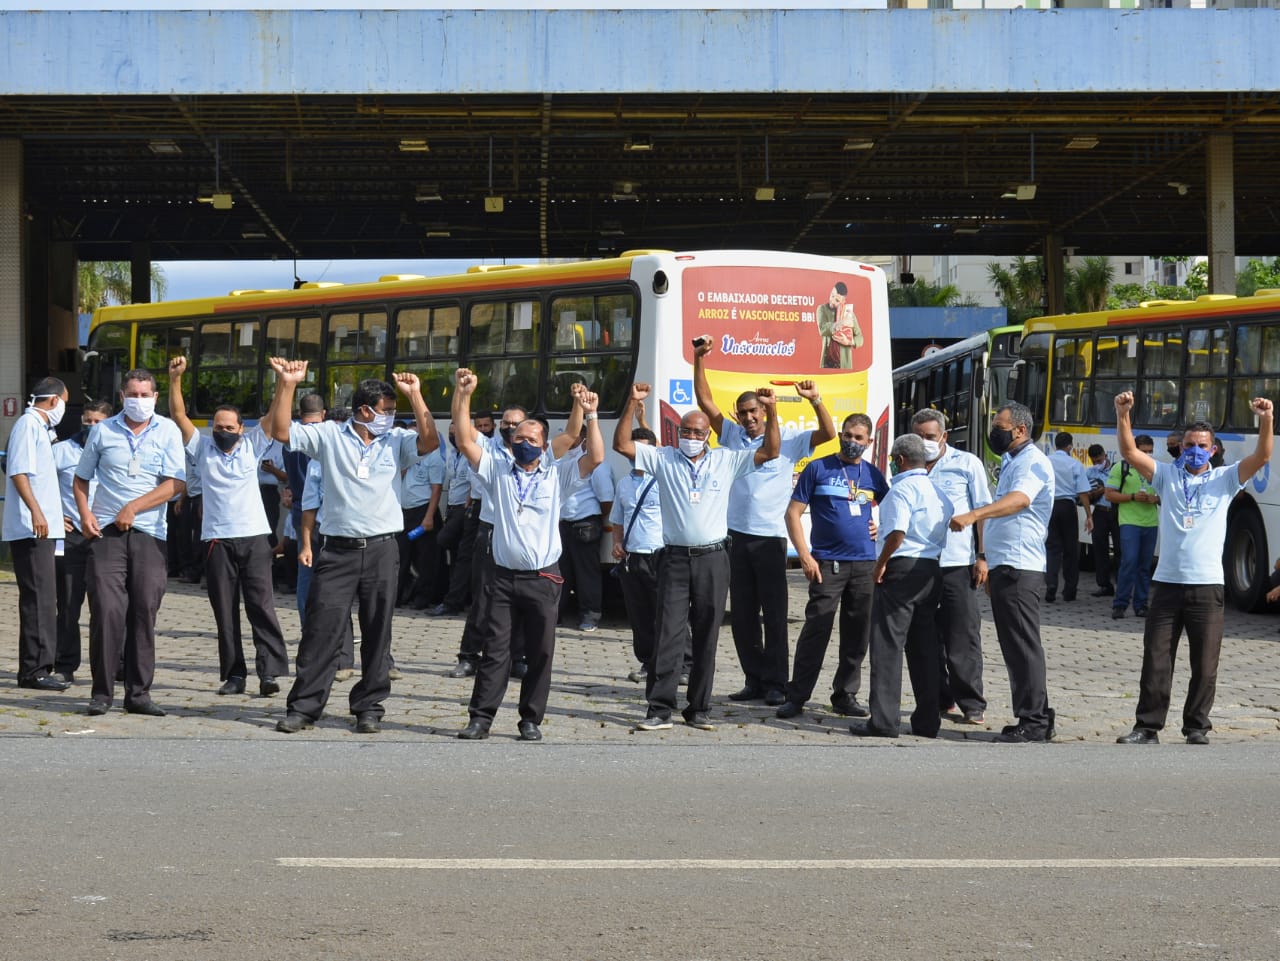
x: 402, y: 5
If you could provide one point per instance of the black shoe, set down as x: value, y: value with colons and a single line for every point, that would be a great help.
x: 1050, y: 597
x: 1105, y: 592
x: 232, y: 685
x: 1198, y: 737
x: 789, y: 710
x: 529, y: 731
x: 700, y: 721
x: 869, y: 730
x: 638, y: 675
x: 748, y: 693
x: 1117, y: 613
x: 43, y: 682
x: 98, y: 708
x: 463, y: 668
x: 1052, y: 730
x: 653, y: 723
x: 775, y: 696
x: 442, y: 610
x: 1139, y: 735
x: 519, y: 669
x: 1068, y: 597
x: 477, y: 730
x: 367, y: 723
x: 1021, y: 734
x: 66, y: 677
x: 293, y: 723
x: 849, y: 706
x: 268, y: 685
x: 148, y: 707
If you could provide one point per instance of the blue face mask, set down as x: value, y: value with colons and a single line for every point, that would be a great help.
x: 1195, y: 458
x: 525, y: 453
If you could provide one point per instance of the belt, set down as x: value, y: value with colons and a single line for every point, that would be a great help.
x: 354, y: 543
x: 1064, y: 500
x: 697, y: 551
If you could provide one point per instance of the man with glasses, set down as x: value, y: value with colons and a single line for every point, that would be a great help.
x: 693, y: 572
x: 757, y: 530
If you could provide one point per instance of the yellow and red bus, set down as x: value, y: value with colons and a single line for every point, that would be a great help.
x: 1185, y: 361
x: 530, y: 332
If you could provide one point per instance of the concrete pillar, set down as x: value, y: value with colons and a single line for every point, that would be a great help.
x: 140, y: 273
x: 13, y: 339
x: 1055, y: 284
x: 1220, y: 195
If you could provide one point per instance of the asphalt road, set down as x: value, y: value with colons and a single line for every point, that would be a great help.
x: 180, y: 849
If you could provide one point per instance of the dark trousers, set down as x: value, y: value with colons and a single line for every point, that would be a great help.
x: 1015, y: 607
x: 36, y: 573
x: 461, y: 570
x: 1197, y: 608
x: 191, y: 521
x: 72, y: 572
x: 417, y: 557
x: 448, y: 545
x: 305, y: 576
x: 1106, y: 538
x: 126, y: 586
x: 691, y: 593
x: 846, y: 585
x: 580, y: 562
x: 638, y: 577
x: 482, y: 567
x: 903, y: 617
x: 236, y: 567
x: 271, y: 501
x: 535, y: 596
x: 1062, y: 549
x: 758, y: 608
x: 342, y: 578
x: 959, y: 626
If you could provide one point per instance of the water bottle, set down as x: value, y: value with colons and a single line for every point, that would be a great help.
x: 415, y: 533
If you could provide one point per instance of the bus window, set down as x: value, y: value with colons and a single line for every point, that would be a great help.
x: 357, y: 336
x: 1257, y: 349
x: 427, y: 345
x: 1244, y: 392
x: 1032, y: 380
x: 226, y: 370
x: 157, y: 346
x: 498, y: 330
x: 296, y: 338
x: 1070, y: 380
x: 505, y: 328
x: 341, y: 381
x: 584, y: 349
x: 106, y: 362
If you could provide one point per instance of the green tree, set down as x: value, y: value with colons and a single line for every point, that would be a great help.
x: 922, y: 294
x: 1087, y: 285
x: 1131, y: 295
x: 103, y: 282
x: 1019, y: 287
x: 1257, y: 275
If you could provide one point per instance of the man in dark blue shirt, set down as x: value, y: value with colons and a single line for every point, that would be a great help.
x: 839, y: 490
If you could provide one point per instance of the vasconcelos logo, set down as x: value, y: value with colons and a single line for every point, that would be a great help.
x: 757, y: 347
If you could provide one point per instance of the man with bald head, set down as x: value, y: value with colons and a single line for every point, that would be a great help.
x: 693, y: 571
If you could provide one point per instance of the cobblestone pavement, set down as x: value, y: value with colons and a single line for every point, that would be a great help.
x: 1093, y: 675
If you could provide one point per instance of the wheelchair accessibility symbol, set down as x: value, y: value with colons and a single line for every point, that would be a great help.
x: 680, y: 392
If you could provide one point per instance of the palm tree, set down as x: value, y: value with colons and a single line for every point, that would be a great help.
x: 1088, y: 285
x: 1020, y: 288
x: 103, y: 282
x: 921, y: 294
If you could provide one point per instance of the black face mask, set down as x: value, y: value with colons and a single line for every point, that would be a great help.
x: 226, y: 440
x: 487, y: 433
x: 1175, y: 451
x: 506, y: 434
x: 82, y: 436
x: 1000, y: 440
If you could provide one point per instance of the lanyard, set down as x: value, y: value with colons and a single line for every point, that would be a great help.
x: 1193, y: 506
x: 854, y: 486
x: 136, y: 440
x: 694, y: 474
x: 524, y: 492
x: 366, y: 450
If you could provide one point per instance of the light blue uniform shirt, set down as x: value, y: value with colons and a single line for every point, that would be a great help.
x: 195, y: 483
x: 360, y: 482
x: 66, y: 457
x: 274, y: 452
x: 962, y: 481
x: 30, y: 452
x: 685, y: 523
x: 313, y: 493
x: 498, y: 449
x: 1193, y: 554
x: 526, y: 505
x: 758, y: 504
x: 415, y: 486
x: 232, y: 505
x: 108, y: 454
x: 1018, y: 540
x: 646, y: 533
x: 916, y: 507
x: 457, y: 479
x: 1069, y: 477
x: 586, y: 494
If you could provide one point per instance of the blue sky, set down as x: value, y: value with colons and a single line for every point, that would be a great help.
x: 393, y: 5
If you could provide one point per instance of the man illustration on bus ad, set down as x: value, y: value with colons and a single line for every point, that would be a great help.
x: 838, y: 325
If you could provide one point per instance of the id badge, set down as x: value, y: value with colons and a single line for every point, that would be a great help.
x: 135, y: 466
x: 695, y: 497
x: 1188, y: 522
x: 855, y: 509
x: 362, y: 471
x: 526, y: 518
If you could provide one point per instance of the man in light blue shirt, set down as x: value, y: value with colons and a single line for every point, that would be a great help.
x: 1071, y: 487
x: 1014, y: 539
x: 913, y: 534
x: 32, y: 527
x: 526, y: 490
x: 452, y: 540
x: 358, y: 558
x: 962, y: 569
x: 137, y: 459
x: 586, y: 505
x: 1187, y: 587
x: 758, y: 532
x: 420, y: 492
x: 693, y: 572
x: 234, y: 530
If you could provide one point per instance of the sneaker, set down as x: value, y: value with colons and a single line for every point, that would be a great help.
x: 951, y: 713
x: 589, y: 624
x: 638, y: 675
x: 700, y: 721
x: 653, y: 723
x: 974, y: 717
x: 442, y: 610
x: 345, y: 674
x: 66, y: 677
x: 394, y: 674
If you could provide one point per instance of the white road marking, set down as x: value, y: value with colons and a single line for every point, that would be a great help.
x: 735, y: 864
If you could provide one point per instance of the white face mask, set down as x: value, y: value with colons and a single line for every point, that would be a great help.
x: 691, y: 447
x: 55, y: 412
x: 380, y: 424
x: 139, y: 409
x: 932, y: 451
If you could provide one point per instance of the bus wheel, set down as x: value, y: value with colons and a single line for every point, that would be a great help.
x: 1245, y: 560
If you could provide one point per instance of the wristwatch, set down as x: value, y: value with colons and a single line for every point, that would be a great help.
x: 587, y: 417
